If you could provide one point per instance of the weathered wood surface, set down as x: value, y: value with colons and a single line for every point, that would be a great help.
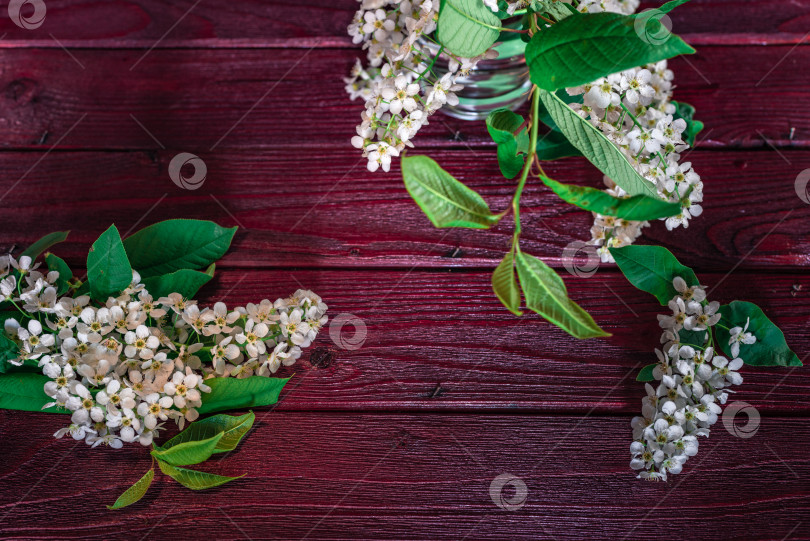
x: 405, y: 476
x: 401, y: 437
x: 184, y: 100
x: 292, y: 214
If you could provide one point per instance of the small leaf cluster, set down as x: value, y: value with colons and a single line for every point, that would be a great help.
x: 194, y: 445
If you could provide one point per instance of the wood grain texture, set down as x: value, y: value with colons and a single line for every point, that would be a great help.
x: 442, y: 341
x: 401, y: 437
x: 337, y: 476
x: 185, y: 101
x: 329, y: 211
x: 254, y: 23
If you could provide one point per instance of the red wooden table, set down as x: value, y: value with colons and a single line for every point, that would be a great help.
x: 403, y: 437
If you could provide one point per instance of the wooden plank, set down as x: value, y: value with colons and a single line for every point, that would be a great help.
x: 253, y: 23
x: 331, y: 212
x: 439, y: 341
x: 348, y: 476
x: 199, y: 100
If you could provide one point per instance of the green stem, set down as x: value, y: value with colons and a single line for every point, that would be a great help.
x: 529, y: 158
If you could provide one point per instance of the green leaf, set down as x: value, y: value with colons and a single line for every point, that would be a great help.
x: 171, y: 245
x: 687, y: 113
x: 108, y: 269
x: 444, y: 200
x: 579, y: 50
x: 770, y: 349
x: 566, y: 98
x: 193, y: 479
x: 135, y: 492
x: 231, y: 428
x: 8, y: 350
x: 502, y: 125
x: 233, y: 394
x: 546, y: 294
x: 505, y: 285
x: 596, y: 147
x: 637, y: 207
x: 36, y: 249
x: 467, y: 27
x: 554, y: 145
x: 188, y: 452
x: 65, y: 274
x: 652, y: 269
x: 25, y: 391
x: 184, y: 281
x: 669, y: 6
x: 646, y: 373
x: 210, y: 270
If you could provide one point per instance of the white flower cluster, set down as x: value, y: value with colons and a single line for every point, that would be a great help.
x: 125, y: 367
x: 633, y: 109
x: 400, y: 88
x: 692, y: 384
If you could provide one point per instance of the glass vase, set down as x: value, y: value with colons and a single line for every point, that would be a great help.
x: 499, y: 82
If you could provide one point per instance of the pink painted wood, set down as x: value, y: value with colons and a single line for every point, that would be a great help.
x: 403, y: 437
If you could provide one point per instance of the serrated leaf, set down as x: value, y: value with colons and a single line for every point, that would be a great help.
x: 171, y: 245
x: 58, y: 264
x: 36, y: 249
x: 652, y: 269
x: 502, y: 125
x: 444, y: 200
x: 467, y: 28
x: 637, y: 207
x: 188, y: 452
x: 505, y: 284
x: 184, y: 281
x: 596, y: 147
x: 579, y: 50
x: 554, y: 145
x: 193, y: 479
x: 25, y: 391
x: 108, y: 269
x: 545, y: 294
x: 233, y: 393
x: 770, y: 349
x: 135, y: 492
x: 687, y: 113
x: 232, y: 428
x: 646, y: 373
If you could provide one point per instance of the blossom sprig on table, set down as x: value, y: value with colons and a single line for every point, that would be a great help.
x: 126, y: 357
x: 601, y: 87
x: 704, y: 345
x: 691, y: 385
